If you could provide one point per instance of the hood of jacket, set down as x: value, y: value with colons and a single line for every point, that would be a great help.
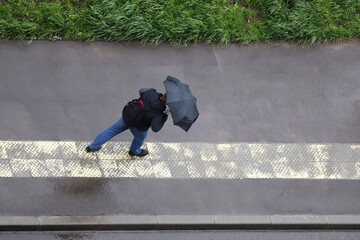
x: 152, y: 101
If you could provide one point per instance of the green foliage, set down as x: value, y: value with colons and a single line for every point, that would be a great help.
x: 181, y: 21
x: 175, y: 21
x: 311, y: 20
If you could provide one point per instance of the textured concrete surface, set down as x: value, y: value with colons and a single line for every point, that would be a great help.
x: 181, y: 160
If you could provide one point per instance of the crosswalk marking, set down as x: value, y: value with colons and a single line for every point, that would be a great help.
x: 181, y: 160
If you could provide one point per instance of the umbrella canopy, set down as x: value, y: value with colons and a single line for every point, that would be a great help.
x: 181, y: 102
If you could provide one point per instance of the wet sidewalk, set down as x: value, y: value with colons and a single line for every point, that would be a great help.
x: 264, y: 93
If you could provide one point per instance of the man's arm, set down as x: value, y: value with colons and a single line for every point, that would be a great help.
x: 158, y: 122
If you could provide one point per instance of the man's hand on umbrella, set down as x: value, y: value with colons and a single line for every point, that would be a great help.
x: 167, y: 111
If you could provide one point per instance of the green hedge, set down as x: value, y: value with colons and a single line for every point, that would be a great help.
x: 181, y: 21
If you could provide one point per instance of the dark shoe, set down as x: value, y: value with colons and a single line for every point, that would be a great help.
x: 89, y: 150
x: 142, y: 153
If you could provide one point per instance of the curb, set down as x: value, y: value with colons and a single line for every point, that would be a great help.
x: 179, y: 222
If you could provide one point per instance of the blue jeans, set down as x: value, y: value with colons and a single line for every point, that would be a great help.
x: 119, y: 127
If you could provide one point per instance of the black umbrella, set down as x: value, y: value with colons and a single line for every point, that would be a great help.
x: 181, y: 102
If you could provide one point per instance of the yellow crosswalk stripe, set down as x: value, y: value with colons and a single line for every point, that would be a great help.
x: 181, y: 160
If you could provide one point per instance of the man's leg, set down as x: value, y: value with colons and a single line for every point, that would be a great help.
x: 108, y: 134
x: 138, y: 141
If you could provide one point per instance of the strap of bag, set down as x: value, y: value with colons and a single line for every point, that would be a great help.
x: 142, y: 105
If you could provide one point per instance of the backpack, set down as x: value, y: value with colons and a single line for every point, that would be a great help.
x: 133, y: 112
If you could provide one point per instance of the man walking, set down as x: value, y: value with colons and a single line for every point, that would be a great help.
x: 154, y: 116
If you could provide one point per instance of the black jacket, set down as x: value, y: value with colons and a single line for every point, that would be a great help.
x: 154, y: 116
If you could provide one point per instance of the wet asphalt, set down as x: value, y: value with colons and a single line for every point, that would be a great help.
x: 72, y: 91
x: 106, y: 196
